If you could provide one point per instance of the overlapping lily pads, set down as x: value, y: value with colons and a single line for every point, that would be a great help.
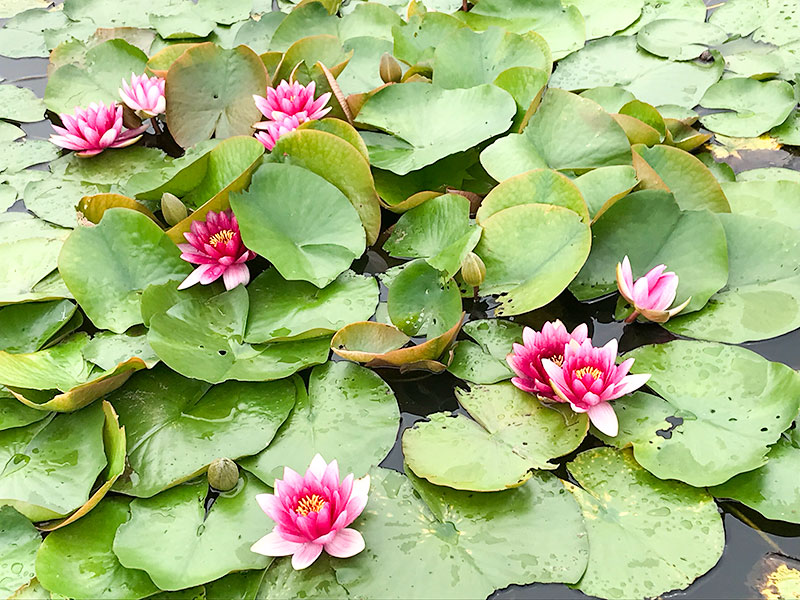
x: 484, y: 360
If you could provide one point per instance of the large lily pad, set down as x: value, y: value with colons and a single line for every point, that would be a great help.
x: 78, y: 562
x: 19, y: 542
x: 604, y: 186
x: 27, y: 327
x: 178, y: 544
x: 771, y: 22
x: 753, y: 107
x: 762, y: 297
x: 467, y: 58
x: 304, y: 225
x: 513, y: 434
x: 618, y: 61
x: 774, y: 200
x: 106, y: 267
x: 202, y: 338
x: 772, y: 489
x: 421, y: 301
x: 531, y: 253
x: 281, y: 309
x: 20, y: 104
x: 679, y: 39
x: 566, y: 132
x: 210, y: 91
x: 349, y: 414
x: 339, y: 162
x: 674, y: 170
x: 477, y: 542
x: 453, y: 120
x: 722, y: 408
x: 176, y: 426
x: 651, y: 229
x: 15, y: 414
x: 600, y: 21
x: 439, y: 230
x: 664, y: 534
x: 28, y: 481
x: 484, y: 360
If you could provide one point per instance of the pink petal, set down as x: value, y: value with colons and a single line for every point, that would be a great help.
x: 629, y: 384
x: 306, y: 555
x: 346, y: 543
x: 318, y: 466
x: 235, y: 275
x: 604, y: 418
x: 273, y: 544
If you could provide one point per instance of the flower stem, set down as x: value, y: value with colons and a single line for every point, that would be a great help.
x: 632, y: 317
x: 156, y: 127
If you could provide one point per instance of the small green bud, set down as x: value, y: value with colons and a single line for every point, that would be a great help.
x: 223, y: 474
x: 473, y: 271
x: 390, y: 70
x: 173, y: 209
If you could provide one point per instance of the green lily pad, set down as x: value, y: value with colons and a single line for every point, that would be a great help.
x: 302, y: 224
x: 340, y: 163
x: 453, y: 120
x: 258, y: 34
x: 531, y: 253
x: 618, y: 61
x: 466, y: 58
x: 769, y: 174
x: 672, y: 532
x: 362, y: 73
x: 674, y: 170
x: 753, y: 107
x: 281, y: 309
x: 762, y: 297
x: 722, y: 408
x: 27, y: 327
x: 77, y: 561
x: 171, y: 537
x: 22, y: 154
x: 679, y: 39
x: 600, y: 21
x: 772, y: 489
x: 201, y: 337
x: 566, y: 132
x: 602, y: 187
x: 54, y: 200
x: 111, y: 168
x: 106, y: 267
x: 349, y: 414
x: 438, y: 230
x: 20, y: 104
x: 478, y: 542
x: 513, y: 434
x: 175, y: 427
x: 15, y: 414
x: 563, y: 27
x: 421, y: 301
x: 770, y: 22
x: 369, y: 19
x: 309, y: 19
x: 19, y: 542
x: 210, y: 91
x: 416, y: 41
x: 774, y: 200
x: 484, y: 360
x: 96, y: 78
x: 653, y: 10
x: 28, y: 481
x: 316, y: 581
x: 526, y: 85
x: 651, y: 229
x: 107, y: 349
x: 540, y: 186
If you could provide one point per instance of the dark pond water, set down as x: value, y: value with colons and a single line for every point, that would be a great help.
x: 749, y: 536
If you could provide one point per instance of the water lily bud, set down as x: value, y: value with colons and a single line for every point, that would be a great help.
x: 173, y: 209
x: 473, y: 271
x: 223, y: 474
x: 390, y: 70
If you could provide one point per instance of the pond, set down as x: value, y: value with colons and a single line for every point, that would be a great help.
x: 753, y: 544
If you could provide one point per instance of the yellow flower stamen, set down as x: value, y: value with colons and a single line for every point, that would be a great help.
x: 558, y: 359
x: 593, y: 371
x: 308, y: 504
x: 221, y: 237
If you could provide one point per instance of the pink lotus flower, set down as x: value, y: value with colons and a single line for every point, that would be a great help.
x: 92, y: 130
x: 274, y: 130
x: 589, y: 378
x: 311, y: 514
x: 650, y: 295
x: 216, y: 245
x: 144, y: 95
x: 293, y: 100
x: 526, y: 359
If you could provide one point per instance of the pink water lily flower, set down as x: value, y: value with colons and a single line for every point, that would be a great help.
x: 273, y: 130
x: 293, y: 100
x: 526, y: 358
x: 312, y: 514
x: 91, y: 130
x: 650, y: 295
x: 216, y: 245
x: 144, y: 94
x: 589, y: 378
